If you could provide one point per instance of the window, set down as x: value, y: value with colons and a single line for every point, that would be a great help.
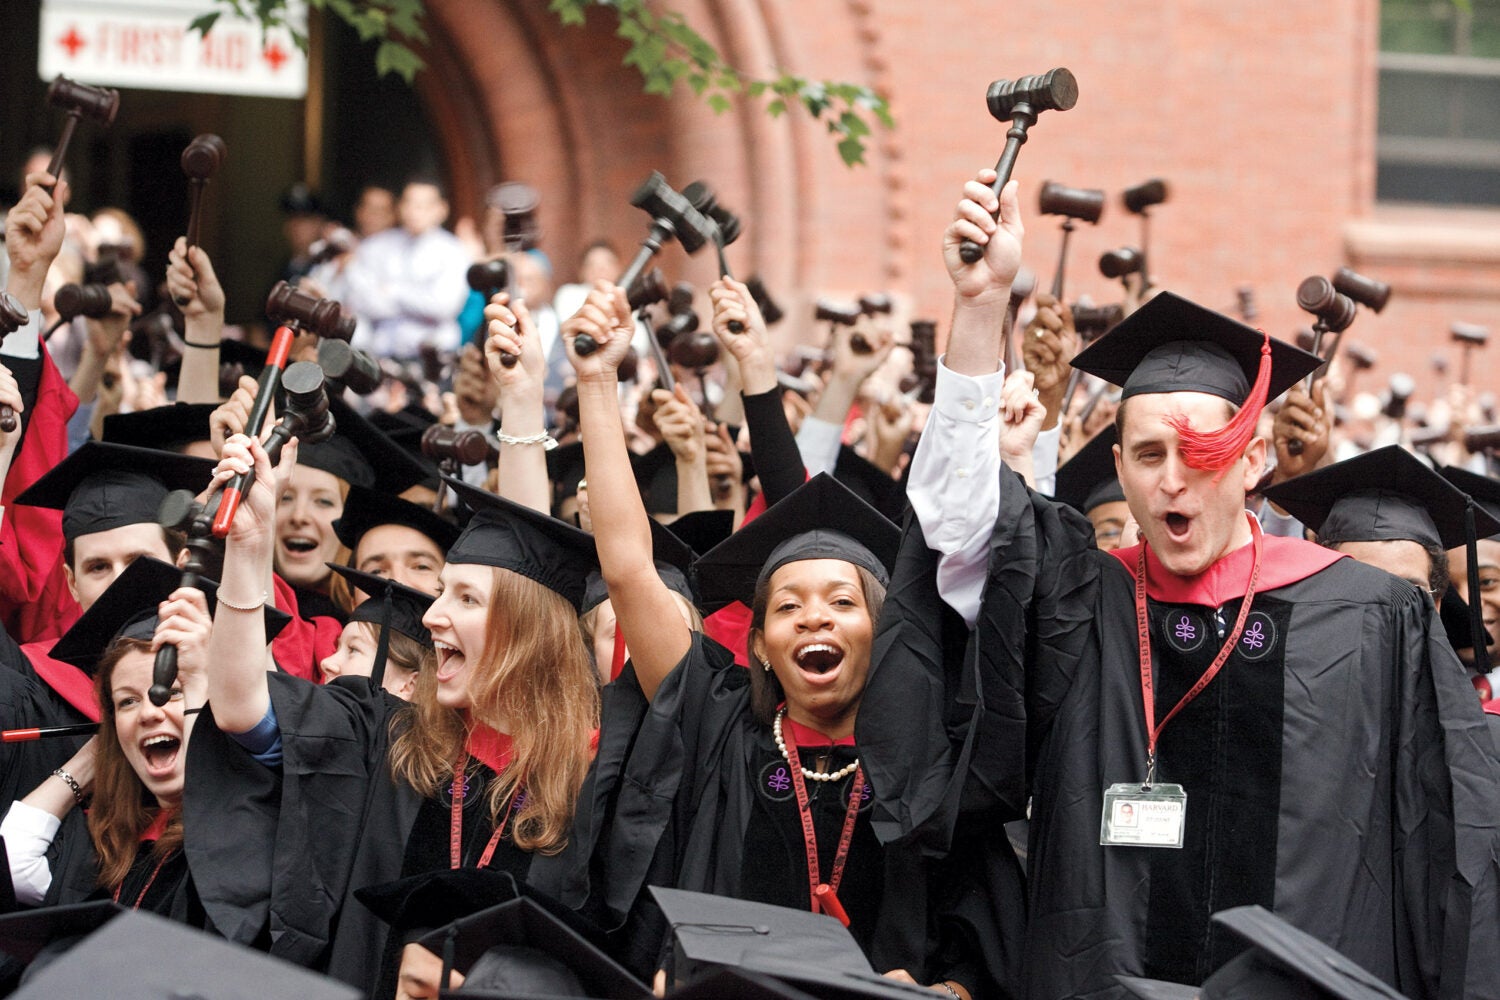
x: 1439, y: 124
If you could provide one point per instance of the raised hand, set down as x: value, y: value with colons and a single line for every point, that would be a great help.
x: 10, y: 395
x: 192, y: 283
x: 255, y: 522
x: 992, y: 274
x: 33, y: 235
x: 680, y: 422
x: 605, y: 317
x: 1021, y: 415
x: 1304, y: 418
x: 511, y: 333
x: 735, y: 310
x: 184, y: 622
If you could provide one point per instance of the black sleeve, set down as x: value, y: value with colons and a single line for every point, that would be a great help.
x: 777, y: 461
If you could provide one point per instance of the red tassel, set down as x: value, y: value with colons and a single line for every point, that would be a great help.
x: 1216, y: 451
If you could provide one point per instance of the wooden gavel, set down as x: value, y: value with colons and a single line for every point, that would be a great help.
x: 649, y: 289
x: 725, y: 225
x: 469, y: 447
x: 200, y: 161
x: 1019, y: 102
x: 1122, y: 263
x: 348, y: 366
x: 1093, y: 322
x: 1367, y: 292
x: 74, y: 300
x: 1334, y: 312
x: 672, y: 215
x: 13, y: 316
x: 1080, y: 204
x: 489, y: 278
x: 324, y: 317
x: 1138, y: 201
x: 1244, y: 298
x: 1468, y: 336
x: 871, y: 304
x: 1020, y: 290
x: 79, y: 101
x: 769, y: 310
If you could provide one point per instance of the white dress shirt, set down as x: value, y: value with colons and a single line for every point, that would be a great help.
x: 407, y: 291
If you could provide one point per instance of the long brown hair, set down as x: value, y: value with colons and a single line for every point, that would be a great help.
x: 120, y: 814
x: 534, y: 680
x: 765, y: 689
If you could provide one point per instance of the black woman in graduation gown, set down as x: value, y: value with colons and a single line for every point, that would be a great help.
x: 480, y: 769
x: 1336, y: 768
x: 728, y: 768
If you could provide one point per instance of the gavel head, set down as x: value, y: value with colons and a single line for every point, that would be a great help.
x: 72, y: 301
x: 204, y: 156
x: 1145, y: 194
x: 98, y: 103
x: 518, y: 204
x: 680, y: 299
x: 701, y: 197
x: 307, y: 413
x: 1054, y: 90
x: 465, y: 447
x: 489, y: 276
x: 875, y: 304
x: 1469, y: 335
x: 695, y: 349
x: 841, y: 313
x: 1367, y: 292
x: 1092, y: 322
x: 649, y: 289
x: 324, y: 317
x: 657, y: 199
x: 1333, y: 309
x: 13, y: 315
x: 680, y: 324
x: 353, y: 369
x: 1119, y: 263
x: 769, y: 310
x: 923, y: 337
x: 1084, y: 204
x: 1360, y: 356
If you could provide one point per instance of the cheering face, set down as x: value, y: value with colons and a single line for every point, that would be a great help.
x: 153, y: 739
x: 100, y: 556
x: 1189, y: 520
x: 313, y: 500
x: 399, y: 553
x: 354, y: 656
x: 1489, y: 587
x: 817, y: 637
x: 458, y: 621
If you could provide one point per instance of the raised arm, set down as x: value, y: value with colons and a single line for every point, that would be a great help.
x: 523, y: 427
x: 191, y: 280
x: 680, y: 423
x: 647, y: 613
x: 820, y: 436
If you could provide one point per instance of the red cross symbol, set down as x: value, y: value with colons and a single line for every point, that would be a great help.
x: 72, y: 41
x: 275, y: 56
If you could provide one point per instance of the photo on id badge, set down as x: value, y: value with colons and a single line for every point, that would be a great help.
x: 1137, y: 815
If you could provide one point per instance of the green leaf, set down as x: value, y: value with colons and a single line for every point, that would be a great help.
x: 852, y: 151
x: 776, y: 108
x: 719, y: 103
x: 756, y: 88
x: 204, y: 23
x: 393, y: 57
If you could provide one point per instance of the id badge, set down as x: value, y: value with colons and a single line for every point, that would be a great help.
x: 1143, y: 816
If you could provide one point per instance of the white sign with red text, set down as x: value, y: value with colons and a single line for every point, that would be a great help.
x: 124, y: 43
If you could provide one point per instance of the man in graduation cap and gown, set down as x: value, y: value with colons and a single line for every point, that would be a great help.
x: 1209, y: 719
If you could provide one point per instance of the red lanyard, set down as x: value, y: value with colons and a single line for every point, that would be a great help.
x: 147, y: 887
x: 456, y: 819
x: 1143, y: 635
x: 824, y: 896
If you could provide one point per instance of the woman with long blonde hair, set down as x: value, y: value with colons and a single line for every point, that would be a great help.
x: 479, y: 770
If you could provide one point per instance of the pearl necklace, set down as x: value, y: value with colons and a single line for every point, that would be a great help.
x: 811, y: 775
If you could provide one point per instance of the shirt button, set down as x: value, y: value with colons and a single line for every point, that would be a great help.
x: 963, y: 473
x: 989, y: 404
x: 968, y: 404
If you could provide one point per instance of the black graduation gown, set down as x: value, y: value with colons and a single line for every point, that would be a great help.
x: 26, y: 701
x: 287, y: 847
x: 691, y: 792
x: 156, y: 885
x: 1337, y: 770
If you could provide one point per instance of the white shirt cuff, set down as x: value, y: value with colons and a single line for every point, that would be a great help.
x: 967, y: 398
x: 818, y: 443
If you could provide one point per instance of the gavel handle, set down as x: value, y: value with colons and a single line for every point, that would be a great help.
x: 270, y: 381
x: 164, y: 670
x: 61, y: 153
x: 1062, y: 261
x: 195, y: 199
x: 1022, y: 117
x: 663, y: 367
x: 1295, y: 445
x: 47, y: 732
x: 583, y: 344
x: 735, y: 326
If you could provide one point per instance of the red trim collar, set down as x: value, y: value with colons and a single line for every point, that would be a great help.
x: 158, y: 826
x: 1286, y: 561
x: 71, y: 684
x: 492, y: 749
x: 805, y: 736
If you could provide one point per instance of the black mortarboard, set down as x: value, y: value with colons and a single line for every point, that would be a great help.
x: 167, y: 428
x: 812, y: 951
x: 142, y: 956
x: 1282, y: 962
x: 435, y: 899
x: 127, y: 608
x: 366, y: 508
x: 25, y: 933
x: 674, y: 562
x: 701, y: 530
x: 740, y: 985
x: 497, y: 949
x: 510, y: 536
x: 407, y: 604
x: 103, y: 486
x: 404, y: 426
x: 361, y: 455
x: 1484, y: 490
x: 656, y: 476
x: 1173, y: 345
x: 565, y: 467
x: 1088, y: 478
x: 821, y: 519
x: 870, y: 483
x: 1383, y: 495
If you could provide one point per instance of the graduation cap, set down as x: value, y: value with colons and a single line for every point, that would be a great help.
x: 565, y: 468
x: 738, y: 984
x: 812, y: 951
x: 366, y: 508
x: 166, y: 428
x: 25, y: 934
x: 522, y: 948
x: 436, y: 899
x: 103, y: 486
x: 656, y: 476
x: 701, y: 530
x: 361, y: 455
x: 1088, y: 478
x: 1282, y: 962
x: 821, y: 519
x: 1484, y: 490
x: 1382, y: 495
x: 1173, y: 345
x: 142, y: 956
x: 391, y: 606
x: 674, y: 563
x: 510, y: 536
x: 127, y: 610
x: 870, y: 483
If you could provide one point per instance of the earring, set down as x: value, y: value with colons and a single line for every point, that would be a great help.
x: 765, y: 664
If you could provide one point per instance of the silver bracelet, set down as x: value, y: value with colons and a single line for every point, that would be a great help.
x: 235, y: 607
x: 71, y: 782
x: 544, y: 439
x: 951, y: 991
